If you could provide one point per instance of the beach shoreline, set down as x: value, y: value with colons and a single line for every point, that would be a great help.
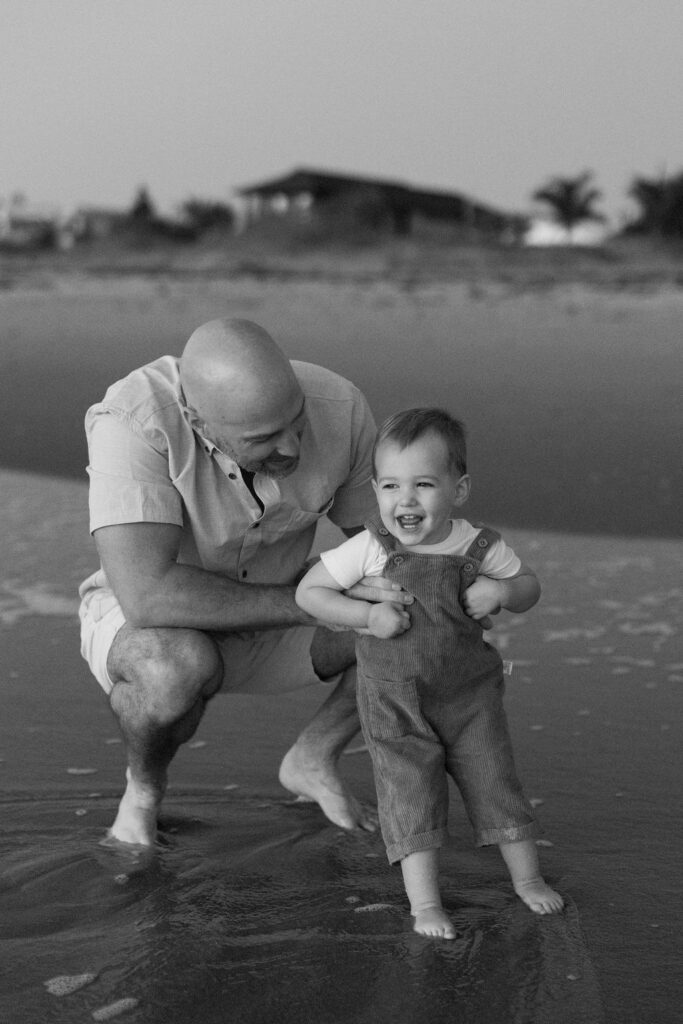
x: 576, y: 386
x: 591, y: 374
x: 592, y: 703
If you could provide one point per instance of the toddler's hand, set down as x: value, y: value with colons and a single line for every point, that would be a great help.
x: 387, y: 619
x: 482, y: 598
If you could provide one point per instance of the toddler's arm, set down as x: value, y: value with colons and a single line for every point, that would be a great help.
x: 320, y: 595
x: 487, y: 596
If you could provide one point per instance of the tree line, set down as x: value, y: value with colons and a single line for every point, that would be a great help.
x: 197, y: 216
x: 660, y: 203
x: 571, y: 200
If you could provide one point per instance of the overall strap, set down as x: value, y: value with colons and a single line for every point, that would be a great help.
x: 380, y: 533
x: 484, y: 540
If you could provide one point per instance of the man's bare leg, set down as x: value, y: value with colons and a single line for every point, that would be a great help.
x: 309, y: 769
x: 162, y: 681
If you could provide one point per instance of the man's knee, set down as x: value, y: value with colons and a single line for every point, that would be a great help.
x: 175, y: 667
x: 332, y: 651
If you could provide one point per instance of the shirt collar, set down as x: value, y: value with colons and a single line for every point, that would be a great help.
x: 207, y: 444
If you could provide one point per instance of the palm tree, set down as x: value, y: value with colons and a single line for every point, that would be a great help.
x: 661, y: 205
x: 572, y: 200
x: 142, y: 209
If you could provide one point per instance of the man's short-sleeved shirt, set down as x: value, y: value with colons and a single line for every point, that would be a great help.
x: 148, y: 464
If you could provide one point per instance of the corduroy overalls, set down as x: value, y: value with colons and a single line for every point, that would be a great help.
x: 431, y: 704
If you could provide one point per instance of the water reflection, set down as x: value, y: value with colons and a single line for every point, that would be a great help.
x: 257, y: 913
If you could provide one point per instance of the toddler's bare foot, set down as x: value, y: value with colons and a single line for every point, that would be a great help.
x: 435, y: 923
x: 539, y: 897
x: 312, y: 780
x: 136, y: 820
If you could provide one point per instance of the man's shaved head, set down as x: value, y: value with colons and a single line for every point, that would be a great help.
x: 232, y: 372
x: 242, y: 392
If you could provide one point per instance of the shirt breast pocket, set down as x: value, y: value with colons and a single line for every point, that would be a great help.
x: 295, y: 520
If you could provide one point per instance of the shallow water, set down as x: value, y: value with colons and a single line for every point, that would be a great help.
x: 255, y: 909
x: 258, y: 911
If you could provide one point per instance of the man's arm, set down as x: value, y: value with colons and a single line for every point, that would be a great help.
x: 140, y: 562
x: 320, y: 594
x: 375, y: 588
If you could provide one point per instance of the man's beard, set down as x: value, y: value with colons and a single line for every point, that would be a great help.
x: 276, y: 467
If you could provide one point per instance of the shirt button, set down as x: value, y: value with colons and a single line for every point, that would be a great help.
x: 233, y: 476
x: 398, y: 560
x: 482, y: 542
x: 383, y: 530
x: 468, y: 567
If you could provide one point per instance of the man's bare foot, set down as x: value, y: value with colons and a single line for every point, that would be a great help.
x: 435, y: 923
x: 310, y: 780
x: 136, y: 820
x: 539, y: 897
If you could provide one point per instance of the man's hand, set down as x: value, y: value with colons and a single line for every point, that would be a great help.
x: 376, y: 589
x: 387, y: 619
x: 382, y: 592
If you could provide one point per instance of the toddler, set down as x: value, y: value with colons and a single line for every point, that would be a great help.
x: 430, y: 689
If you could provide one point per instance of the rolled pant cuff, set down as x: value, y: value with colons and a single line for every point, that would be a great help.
x: 512, y: 834
x: 413, y: 844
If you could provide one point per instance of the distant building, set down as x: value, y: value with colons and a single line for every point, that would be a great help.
x: 96, y: 224
x: 304, y: 190
x: 92, y: 223
x: 27, y: 227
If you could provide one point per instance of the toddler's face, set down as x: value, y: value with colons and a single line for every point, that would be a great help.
x: 417, y: 491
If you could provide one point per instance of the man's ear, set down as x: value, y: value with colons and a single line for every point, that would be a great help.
x: 462, y: 490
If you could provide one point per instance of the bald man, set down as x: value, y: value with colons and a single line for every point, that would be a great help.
x: 208, y: 476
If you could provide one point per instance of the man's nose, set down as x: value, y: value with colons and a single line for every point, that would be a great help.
x: 288, y: 443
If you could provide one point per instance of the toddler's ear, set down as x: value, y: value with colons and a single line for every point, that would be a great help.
x: 462, y: 490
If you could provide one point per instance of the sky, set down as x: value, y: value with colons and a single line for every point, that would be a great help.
x: 195, y: 98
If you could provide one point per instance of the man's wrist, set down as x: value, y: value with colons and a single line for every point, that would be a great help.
x: 371, y: 611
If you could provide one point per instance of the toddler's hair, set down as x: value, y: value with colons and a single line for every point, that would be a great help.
x: 404, y: 428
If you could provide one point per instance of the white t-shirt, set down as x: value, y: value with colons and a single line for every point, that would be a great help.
x: 363, y: 555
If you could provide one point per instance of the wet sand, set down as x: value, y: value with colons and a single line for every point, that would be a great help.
x: 257, y: 909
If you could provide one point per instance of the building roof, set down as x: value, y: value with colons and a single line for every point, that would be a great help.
x: 306, y: 179
x: 429, y: 202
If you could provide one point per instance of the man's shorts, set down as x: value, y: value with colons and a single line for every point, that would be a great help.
x: 267, y: 661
